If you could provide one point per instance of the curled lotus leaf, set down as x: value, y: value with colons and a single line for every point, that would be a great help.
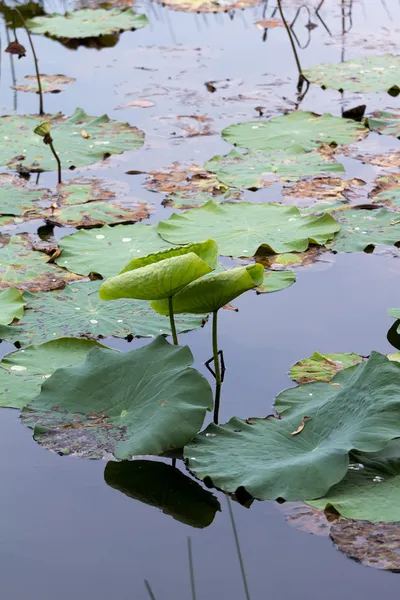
x: 241, y: 229
x: 164, y: 487
x: 299, y: 128
x: 212, y: 292
x: 145, y: 401
x: 277, y: 458
x: 162, y: 274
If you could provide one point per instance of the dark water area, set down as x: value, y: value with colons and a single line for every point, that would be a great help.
x: 64, y: 533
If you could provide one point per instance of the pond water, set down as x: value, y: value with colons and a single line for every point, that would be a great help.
x: 63, y: 531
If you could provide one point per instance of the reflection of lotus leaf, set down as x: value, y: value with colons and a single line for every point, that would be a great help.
x: 80, y: 140
x: 363, y: 75
x: 298, y: 128
x: 207, y: 6
x: 144, y: 401
x: 87, y: 22
x: 274, y: 458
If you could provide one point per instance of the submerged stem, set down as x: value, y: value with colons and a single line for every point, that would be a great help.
x: 239, y: 552
x: 41, y: 111
x: 191, y: 569
x: 172, y: 321
x: 217, y: 366
x: 57, y: 159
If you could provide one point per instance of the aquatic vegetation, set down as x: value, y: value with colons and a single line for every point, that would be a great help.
x: 43, y: 130
x: 11, y: 306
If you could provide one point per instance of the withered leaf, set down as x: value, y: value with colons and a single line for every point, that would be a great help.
x: 301, y: 427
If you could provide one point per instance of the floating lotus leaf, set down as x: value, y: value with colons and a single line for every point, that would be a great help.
x: 145, y: 401
x: 23, y: 372
x: 212, y: 292
x: 240, y: 229
x: 50, y: 83
x: 363, y: 75
x: 11, y: 306
x: 165, y: 488
x: 80, y: 140
x: 18, y: 198
x: 276, y: 280
x: 27, y: 269
x: 370, y: 490
x: 98, y: 213
x: 371, y: 544
x: 87, y: 23
x: 208, y: 6
x: 322, y: 367
x: 298, y: 128
x: 307, y: 518
x: 324, y: 189
x: 162, y: 274
x: 77, y: 311
x: 387, y: 191
x: 107, y: 250
x: 362, y: 228
x: 260, y: 168
x: 294, y: 458
x: 384, y: 122
x: 89, y: 189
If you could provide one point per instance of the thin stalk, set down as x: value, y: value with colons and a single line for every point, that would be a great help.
x: 41, y: 111
x: 217, y: 366
x: 172, y: 321
x: 57, y: 159
x: 150, y: 591
x: 296, y: 56
x: 239, y: 553
x: 191, y: 569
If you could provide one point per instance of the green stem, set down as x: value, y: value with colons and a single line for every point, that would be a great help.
x: 217, y: 366
x: 172, y: 321
x: 57, y: 159
x: 41, y: 111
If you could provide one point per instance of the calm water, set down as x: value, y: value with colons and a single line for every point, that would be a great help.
x: 63, y: 532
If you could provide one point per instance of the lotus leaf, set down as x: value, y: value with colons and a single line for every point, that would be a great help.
x: 17, y: 198
x: 98, y: 213
x: 387, y: 191
x: 212, y: 292
x: 384, y: 122
x: 145, y: 401
x: 240, y: 229
x: 50, y: 83
x: 26, y: 269
x: 87, y: 23
x: 370, y: 491
x: 11, y: 306
x: 324, y: 189
x: 362, y: 228
x: 322, y: 367
x: 260, y: 168
x: 362, y: 75
x: 23, y: 372
x: 294, y: 458
x: 106, y: 250
x: 100, y: 139
x: 164, y: 487
x: 395, y: 312
x: 162, y: 274
x: 299, y: 128
x: 77, y: 311
x: 208, y: 6
x: 276, y: 280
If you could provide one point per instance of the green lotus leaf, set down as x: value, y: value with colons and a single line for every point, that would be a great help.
x: 362, y: 75
x: 260, y: 168
x: 307, y: 452
x: 77, y: 311
x: 87, y: 22
x: 145, y: 401
x: 274, y: 281
x: 162, y: 274
x: 212, y: 292
x: 299, y: 128
x: 385, y: 122
x: 362, y: 228
x: 18, y: 198
x: 106, y: 250
x: 101, y: 138
x: 322, y: 367
x: 387, y: 191
x: 11, y: 306
x: 241, y: 229
x: 370, y: 491
x: 164, y: 487
x: 27, y: 269
x: 23, y: 372
x: 98, y: 213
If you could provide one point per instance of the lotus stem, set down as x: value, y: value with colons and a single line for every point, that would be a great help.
x: 217, y: 366
x: 302, y: 79
x: 239, y: 553
x: 57, y: 159
x: 41, y: 111
x: 172, y: 321
x: 191, y: 569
